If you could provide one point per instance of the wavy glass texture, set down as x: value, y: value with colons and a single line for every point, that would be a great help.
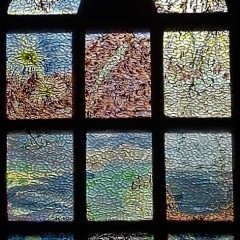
x: 200, y: 237
x: 42, y: 237
x: 122, y: 236
x: 40, y: 176
x: 39, y: 75
x: 199, y: 176
x: 190, y: 6
x: 119, y: 176
x: 197, y: 74
x: 117, y: 75
x: 43, y: 7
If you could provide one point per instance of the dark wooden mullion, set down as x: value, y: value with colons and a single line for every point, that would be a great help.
x: 79, y: 133
x: 3, y: 132
x: 159, y: 193
x: 235, y: 87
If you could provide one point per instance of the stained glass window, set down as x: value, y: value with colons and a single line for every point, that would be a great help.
x: 117, y: 75
x: 39, y: 176
x: 119, y: 176
x: 42, y: 237
x: 123, y: 236
x: 197, y: 74
x: 199, y: 237
x: 39, y: 78
x: 199, y: 176
x: 190, y: 6
x: 40, y: 7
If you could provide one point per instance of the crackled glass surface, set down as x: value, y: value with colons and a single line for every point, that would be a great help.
x: 200, y: 237
x: 197, y: 74
x: 43, y: 7
x: 40, y: 176
x: 190, y: 6
x: 39, y: 75
x: 122, y: 236
x: 199, y: 176
x: 119, y: 176
x: 117, y: 75
x: 46, y: 236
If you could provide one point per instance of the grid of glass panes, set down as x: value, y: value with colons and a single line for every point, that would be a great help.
x: 122, y: 161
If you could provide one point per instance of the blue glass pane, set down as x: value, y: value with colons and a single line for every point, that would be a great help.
x: 40, y: 176
x: 39, y: 75
x: 119, y: 176
x: 41, y: 7
x: 199, y: 180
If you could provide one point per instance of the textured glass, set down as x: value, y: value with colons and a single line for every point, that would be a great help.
x: 190, y: 6
x: 40, y: 176
x: 122, y: 236
x: 117, y: 75
x: 43, y: 7
x: 199, y: 176
x: 197, y: 74
x: 42, y: 237
x: 39, y: 75
x: 199, y: 237
x: 119, y: 176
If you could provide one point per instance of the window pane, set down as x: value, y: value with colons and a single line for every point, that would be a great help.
x: 122, y: 236
x: 39, y: 176
x: 39, y: 75
x: 197, y: 74
x: 190, y: 6
x: 199, y: 176
x: 119, y: 176
x: 117, y: 72
x: 199, y: 237
x: 43, y: 7
x: 42, y: 237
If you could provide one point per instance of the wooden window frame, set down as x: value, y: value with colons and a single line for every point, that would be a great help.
x: 98, y: 19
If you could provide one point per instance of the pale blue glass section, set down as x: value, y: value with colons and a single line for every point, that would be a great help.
x: 43, y: 7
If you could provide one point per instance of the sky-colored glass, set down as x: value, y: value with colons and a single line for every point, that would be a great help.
x: 197, y: 74
x: 43, y: 7
x: 40, y: 176
x: 39, y: 75
x: 199, y: 180
x: 119, y: 176
x: 117, y: 75
x: 46, y: 236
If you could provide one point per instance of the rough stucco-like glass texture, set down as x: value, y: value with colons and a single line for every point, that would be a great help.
x: 117, y: 75
x: 122, y: 236
x: 199, y: 176
x: 43, y: 237
x: 43, y: 7
x: 190, y: 6
x: 197, y: 74
x: 200, y: 237
x: 40, y: 176
x: 119, y: 176
x: 39, y: 75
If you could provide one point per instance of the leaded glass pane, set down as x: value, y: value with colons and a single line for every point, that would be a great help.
x: 122, y: 236
x: 39, y: 75
x: 200, y: 237
x: 43, y: 7
x: 46, y: 236
x: 190, y: 6
x: 199, y: 180
x: 119, y: 176
x: 197, y: 74
x: 117, y: 75
x: 40, y: 176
